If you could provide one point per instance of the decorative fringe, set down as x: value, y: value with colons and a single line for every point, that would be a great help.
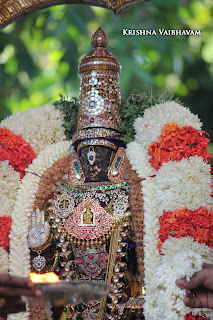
x: 136, y: 203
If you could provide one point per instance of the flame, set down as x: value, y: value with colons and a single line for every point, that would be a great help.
x: 45, y: 277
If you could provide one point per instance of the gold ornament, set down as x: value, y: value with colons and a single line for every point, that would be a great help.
x: 11, y: 10
x: 99, y: 114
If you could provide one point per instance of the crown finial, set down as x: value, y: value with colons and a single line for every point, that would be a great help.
x: 99, y: 39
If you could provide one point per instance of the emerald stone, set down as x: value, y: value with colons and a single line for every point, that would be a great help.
x: 65, y: 309
x: 122, y: 184
x: 116, y: 164
x: 76, y: 163
x: 92, y: 104
x: 52, y: 230
x: 118, y: 159
x: 47, y: 204
x: 77, y: 169
x: 46, y: 214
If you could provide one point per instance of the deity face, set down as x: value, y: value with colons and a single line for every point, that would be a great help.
x: 98, y: 171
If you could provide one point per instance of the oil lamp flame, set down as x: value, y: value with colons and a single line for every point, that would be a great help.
x: 45, y: 277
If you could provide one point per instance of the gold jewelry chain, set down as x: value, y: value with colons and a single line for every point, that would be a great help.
x: 110, y: 266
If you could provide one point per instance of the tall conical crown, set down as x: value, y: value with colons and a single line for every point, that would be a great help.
x: 99, y: 114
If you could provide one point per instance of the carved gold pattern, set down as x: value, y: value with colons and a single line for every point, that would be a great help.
x: 11, y: 10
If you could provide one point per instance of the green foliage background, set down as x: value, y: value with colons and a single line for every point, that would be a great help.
x: 39, y: 55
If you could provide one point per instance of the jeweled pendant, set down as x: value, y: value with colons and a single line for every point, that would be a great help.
x: 39, y: 263
x: 91, y: 156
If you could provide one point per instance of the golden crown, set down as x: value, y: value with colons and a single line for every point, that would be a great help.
x: 99, y: 113
x: 11, y: 10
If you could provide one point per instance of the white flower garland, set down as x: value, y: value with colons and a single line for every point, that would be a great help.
x: 10, y: 180
x: 39, y: 126
x: 4, y: 261
x: 19, y: 262
x: 181, y: 258
x: 149, y: 128
x: 183, y: 183
x: 137, y: 155
x: 176, y: 184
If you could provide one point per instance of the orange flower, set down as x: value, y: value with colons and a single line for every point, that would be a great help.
x: 197, y: 224
x: 177, y: 143
x: 16, y: 150
x: 5, y: 226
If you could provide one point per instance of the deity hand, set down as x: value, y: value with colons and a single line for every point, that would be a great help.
x: 39, y: 230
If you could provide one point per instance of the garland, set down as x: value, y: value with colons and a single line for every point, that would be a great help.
x: 16, y: 150
x: 177, y: 143
x: 5, y: 226
x: 10, y: 180
x: 51, y: 176
x: 197, y: 224
x: 19, y: 252
x: 175, y: 198
x: 4, y: 263
x: 39, y: 127
x: 149, y: 128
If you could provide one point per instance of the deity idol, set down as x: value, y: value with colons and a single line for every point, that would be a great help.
x: 95, y: 209
x: 84, y: 229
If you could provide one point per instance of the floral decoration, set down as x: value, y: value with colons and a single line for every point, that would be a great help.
x: 177, y: 143
x: 184, y: 183
x: 10, y: 180
x: 16, y: 150
x: 190, y: 316
x: 5, y: 226
x: 197, y: 224
x: 150, y: 127
x: 39, y: 127
x: 4, y: 261
x: 178, y: 204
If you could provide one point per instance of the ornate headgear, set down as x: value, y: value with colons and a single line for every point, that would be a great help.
x: 99, y: 114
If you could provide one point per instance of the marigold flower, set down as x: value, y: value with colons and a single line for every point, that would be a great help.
x: 197, y: 224
x: 16, y: 150
x: 5, y: 226
x: 177, y: 143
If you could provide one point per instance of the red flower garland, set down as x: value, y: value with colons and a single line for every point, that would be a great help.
x: 176, y: 143
x: 197, y: 224
x: 5, y: 226
x: 16, y: 150
x: 189, y: 316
